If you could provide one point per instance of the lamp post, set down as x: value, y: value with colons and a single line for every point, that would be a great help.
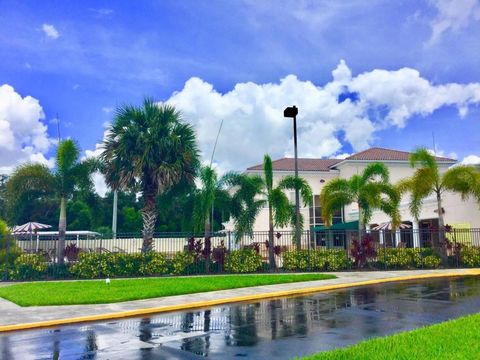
x: 292, y: 112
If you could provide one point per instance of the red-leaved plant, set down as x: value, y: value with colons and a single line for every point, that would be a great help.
x: 363, y: 250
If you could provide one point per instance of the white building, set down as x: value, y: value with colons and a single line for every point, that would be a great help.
x: 457, y: 213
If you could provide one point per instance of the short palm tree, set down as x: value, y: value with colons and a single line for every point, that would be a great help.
x: 280, y: 211
x: 69, y: 174
x: 369, y: 190
x: 211, y: 190
x: 245, y: 204
x: 152, y: 148
x: 428, y: 180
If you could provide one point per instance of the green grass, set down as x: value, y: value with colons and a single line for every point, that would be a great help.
x: 98, y: 292
x: 456, y: 339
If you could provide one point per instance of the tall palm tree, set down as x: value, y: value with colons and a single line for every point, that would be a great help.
x: 427, y: 180
x: 149, y: 146
x: 211, y: 190
x: 369, y: 190
x: 70, y: 173
x: 280, y: 211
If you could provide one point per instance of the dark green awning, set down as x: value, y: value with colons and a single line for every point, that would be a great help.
x: 351, y: 225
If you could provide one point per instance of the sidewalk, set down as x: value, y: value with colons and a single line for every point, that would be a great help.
x: 38, y: 316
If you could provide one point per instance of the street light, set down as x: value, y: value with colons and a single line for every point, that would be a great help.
x: 292, y: 112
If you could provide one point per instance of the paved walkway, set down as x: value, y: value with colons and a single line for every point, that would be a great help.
x: 12, y: 314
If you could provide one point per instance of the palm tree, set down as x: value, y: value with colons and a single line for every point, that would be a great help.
x: 245, y: 204
x: 149, y: 146
x: 428, y: 180
x: 211, y: 190
x: 70, y: 173
x: 280, y: 211
x: 369, y: 190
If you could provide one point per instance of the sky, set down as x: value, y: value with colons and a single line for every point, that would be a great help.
x: 395, y: 74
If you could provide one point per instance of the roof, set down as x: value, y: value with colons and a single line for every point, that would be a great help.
x: 377, y: 153
x: 288, y: 164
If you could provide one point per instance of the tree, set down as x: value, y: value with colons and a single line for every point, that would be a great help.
x: 150, y: 147
x: 69, y: 173
x: 31, y: 183
x: 280, y: 211
x: 210, y: 190
x: 428, y: 180
x: 369, y: 190
x: 245, y: 204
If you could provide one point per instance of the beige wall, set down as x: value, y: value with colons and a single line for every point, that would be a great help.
x: 456, y: 210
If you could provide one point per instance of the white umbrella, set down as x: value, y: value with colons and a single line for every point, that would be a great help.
x: 388, y: 226
x: 30, y: 228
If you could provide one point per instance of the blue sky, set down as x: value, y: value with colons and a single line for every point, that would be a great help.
x: 234, y: 60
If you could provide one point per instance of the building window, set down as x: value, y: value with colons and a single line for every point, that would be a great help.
x: 316, y: 213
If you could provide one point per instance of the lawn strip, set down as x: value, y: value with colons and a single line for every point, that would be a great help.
x: 98, y: 292
x: 457, y: 339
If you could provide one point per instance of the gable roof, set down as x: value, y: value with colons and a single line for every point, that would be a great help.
x: 382, y: 154
x: 288, y: 164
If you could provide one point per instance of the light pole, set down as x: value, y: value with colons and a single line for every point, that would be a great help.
x: 292, y: 112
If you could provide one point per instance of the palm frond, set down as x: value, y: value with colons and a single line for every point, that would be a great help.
x: 461, y: 179
x: 292, y: 183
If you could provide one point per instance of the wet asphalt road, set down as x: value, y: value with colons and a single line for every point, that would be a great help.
x: 279, y: 329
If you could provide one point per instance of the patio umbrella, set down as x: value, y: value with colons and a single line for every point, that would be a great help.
x: 30, y: 228
x: 388, y: 226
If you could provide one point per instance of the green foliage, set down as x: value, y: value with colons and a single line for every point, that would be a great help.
x: 154, y: 264
x: 180, y: 262
x: 370, y: 190
x: 28, y: 267
x: 243, y: 261
x: 92, y: 265
x: 454, y: 339
x: 470, y: 256
x: 407, y: 258
x: 314, y: 260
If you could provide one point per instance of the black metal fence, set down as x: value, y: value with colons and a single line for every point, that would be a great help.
x: 314, y: 251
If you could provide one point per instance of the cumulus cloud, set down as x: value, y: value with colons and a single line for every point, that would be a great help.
x: 254, y: 122
x: 23, y: 135
x: 452, y: 15
x: 50, y: 31
x: 471, y: 160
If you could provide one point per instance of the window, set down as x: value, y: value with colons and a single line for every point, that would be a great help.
x: 316, y: 213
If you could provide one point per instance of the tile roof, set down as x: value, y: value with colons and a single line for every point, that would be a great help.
x: 377, y: 153
x: 288, y: 164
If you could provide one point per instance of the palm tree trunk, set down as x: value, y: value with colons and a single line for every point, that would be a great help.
x: 442, y: 249
x: 62, y: 228
x: 271, y: 241
x: 149, y: 215
x: 207, y: 245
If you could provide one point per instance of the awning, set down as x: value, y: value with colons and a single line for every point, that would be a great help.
x: 351, y: 225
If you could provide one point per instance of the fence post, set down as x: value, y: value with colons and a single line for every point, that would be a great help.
x: 384, y: 254
x: 308, y: 244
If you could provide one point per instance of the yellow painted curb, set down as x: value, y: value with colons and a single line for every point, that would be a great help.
x: 209, y: 303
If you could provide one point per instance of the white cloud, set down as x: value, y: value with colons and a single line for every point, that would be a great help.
x: 254, y: 122
x: 50, y: 31
x: 23, y: 135
x: 471, y: 160
x: 452, y: 15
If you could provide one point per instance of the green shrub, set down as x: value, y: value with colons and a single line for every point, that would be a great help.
x: 407, y: 258
x: 470, y: 256
x: 8, y: 257
x: 127, y: 264
x: 28, y: 267
x: 154, y: 264
x: 315, y: 260
x: 181, y: 261
x: 243, y: 261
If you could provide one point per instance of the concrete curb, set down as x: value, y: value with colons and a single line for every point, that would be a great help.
x: 228, y: 300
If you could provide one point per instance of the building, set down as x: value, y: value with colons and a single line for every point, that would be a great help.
x: 457, y: 213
